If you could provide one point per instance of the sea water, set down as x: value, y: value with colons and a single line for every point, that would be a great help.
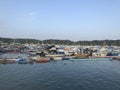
x: 90, y: 74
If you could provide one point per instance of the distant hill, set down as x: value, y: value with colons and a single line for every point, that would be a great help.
x: 61, y: 42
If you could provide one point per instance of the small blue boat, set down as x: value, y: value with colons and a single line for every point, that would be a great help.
x: 22, y: 61
x: 65, y: 58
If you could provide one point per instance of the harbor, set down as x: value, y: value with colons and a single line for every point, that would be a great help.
x: 29, y: 53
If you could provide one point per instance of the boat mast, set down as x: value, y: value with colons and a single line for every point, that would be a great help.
x: 42, y: 42
x: 13, y: 42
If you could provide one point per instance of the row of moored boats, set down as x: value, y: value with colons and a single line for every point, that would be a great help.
x: 38, y: 59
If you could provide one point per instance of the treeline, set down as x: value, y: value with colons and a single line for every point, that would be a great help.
x: 58, y: 42
x: 100, y: 42
x: 62, y: 42
x: 18, y: 40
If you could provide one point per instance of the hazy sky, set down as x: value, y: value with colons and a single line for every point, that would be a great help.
x: 60, y: 19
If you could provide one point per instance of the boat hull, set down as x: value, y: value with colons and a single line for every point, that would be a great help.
x: 22, y: 61
x: 43, y: 59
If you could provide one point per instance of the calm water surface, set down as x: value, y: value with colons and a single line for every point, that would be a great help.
x: 61, y: 75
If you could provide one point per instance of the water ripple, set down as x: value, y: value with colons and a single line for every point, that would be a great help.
x: 79, y: 75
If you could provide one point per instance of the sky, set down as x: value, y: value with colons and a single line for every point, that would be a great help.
x: 60, y: 19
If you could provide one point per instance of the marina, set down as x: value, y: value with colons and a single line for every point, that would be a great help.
x: 50, y: 67
x: 46, y: 53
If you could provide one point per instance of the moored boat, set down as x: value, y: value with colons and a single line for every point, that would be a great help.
x: 65, y: 58
x: 29, y: 60
x: 13, y: 59
x: 115, y: 58
x: 34, y: 57
x: 42, y: 59
x: 57, y: 58
x: 5, y: 61
x: 22, y: 61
